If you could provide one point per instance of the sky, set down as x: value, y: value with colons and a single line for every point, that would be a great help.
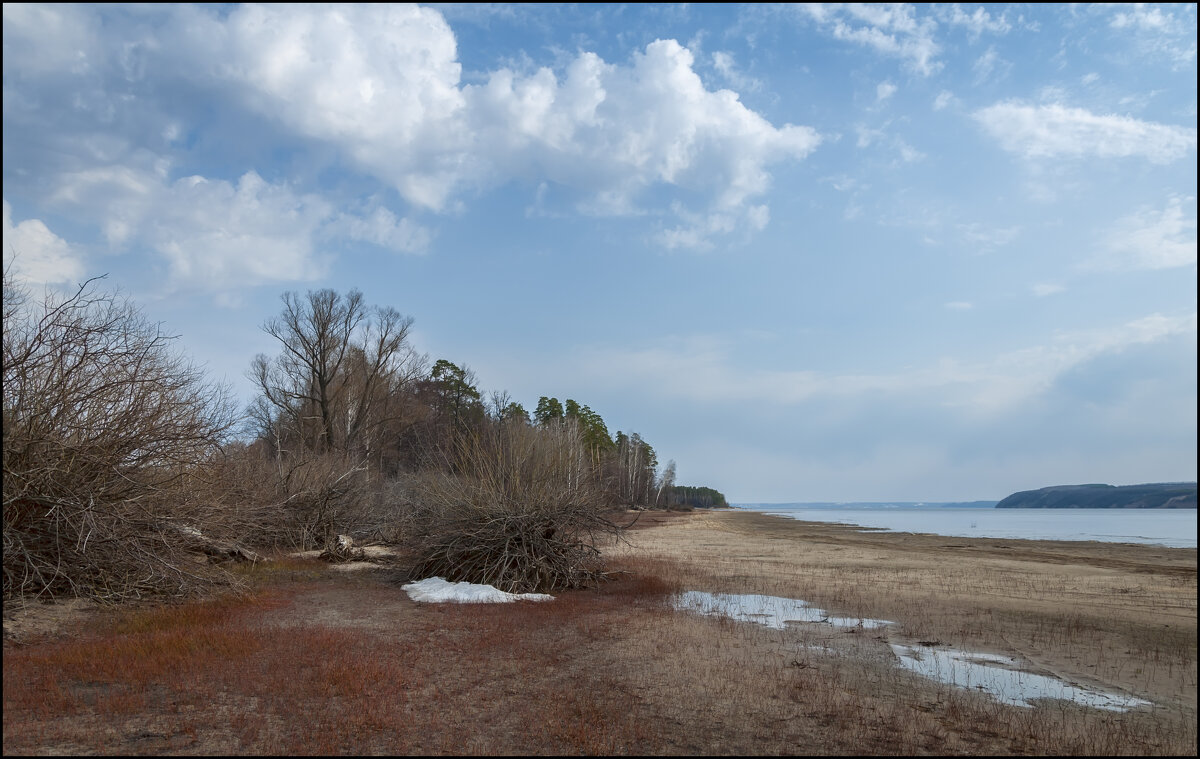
x: 809, y: 253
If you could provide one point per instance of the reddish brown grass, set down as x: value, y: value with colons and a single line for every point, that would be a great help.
x: 348, y: 665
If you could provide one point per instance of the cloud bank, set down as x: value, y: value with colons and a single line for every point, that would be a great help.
x: 377, y: 90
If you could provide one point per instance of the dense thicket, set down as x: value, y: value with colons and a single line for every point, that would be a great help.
x: 117, y: 454
x: 105, y: 427
x: 524, y: 513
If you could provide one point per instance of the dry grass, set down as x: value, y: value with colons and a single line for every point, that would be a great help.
x: 1107, y: 615
x: 319, y: 662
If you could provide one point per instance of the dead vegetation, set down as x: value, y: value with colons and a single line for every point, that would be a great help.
x: 523, y: 514
x: 103, y: 426
x: 123, y: 477
x: 316, y: 662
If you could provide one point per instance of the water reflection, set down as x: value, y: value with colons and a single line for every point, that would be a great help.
x: 993, y: 674
x: 996, y: 676
x: 771, y: 611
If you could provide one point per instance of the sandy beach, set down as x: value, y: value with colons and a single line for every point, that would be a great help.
x: 317, y: 661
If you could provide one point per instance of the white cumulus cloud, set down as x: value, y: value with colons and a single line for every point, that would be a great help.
x: 382, y: 87
x: 610, y: 132
x: 36, y: 254
x: 217, y: 234
x: 380, y: 81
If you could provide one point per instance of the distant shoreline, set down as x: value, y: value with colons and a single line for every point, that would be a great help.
x: 1175, y: 528
x: 1154, y: 495
x: 870, y: 505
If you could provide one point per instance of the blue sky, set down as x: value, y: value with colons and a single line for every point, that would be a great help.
x: 810, y: 253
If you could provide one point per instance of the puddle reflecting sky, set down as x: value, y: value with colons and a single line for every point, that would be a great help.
x: 990, y: 673
x: 771, y: 611
x: 981, y: 671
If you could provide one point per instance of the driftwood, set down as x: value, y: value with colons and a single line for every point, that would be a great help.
x: 341, y: 549
x: 217, y: 551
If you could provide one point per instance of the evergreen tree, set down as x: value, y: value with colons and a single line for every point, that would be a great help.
x: 455, y: 395
x: 548, y: 410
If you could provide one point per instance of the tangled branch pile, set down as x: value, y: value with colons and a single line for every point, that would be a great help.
x: 103, y: 427
x: 301, y: 502
x: 525, y: 515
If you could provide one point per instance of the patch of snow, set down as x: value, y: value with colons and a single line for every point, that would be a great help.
x: 437, y: 590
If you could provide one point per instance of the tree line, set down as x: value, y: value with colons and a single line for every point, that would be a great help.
x: 119, y: 452
x: 684, y: 496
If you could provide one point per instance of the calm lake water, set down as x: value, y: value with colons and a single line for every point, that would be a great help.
x: 1167, y: 527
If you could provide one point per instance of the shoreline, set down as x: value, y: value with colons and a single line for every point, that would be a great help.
x: 778, y: 526
x: 1156, y: 540
x: 1060, y: 606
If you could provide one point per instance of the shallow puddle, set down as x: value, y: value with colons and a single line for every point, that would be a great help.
x: 771, y: 611
x: 994, y: 675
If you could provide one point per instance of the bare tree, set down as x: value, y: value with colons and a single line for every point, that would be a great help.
x: 377, y: 383
x: 338, y: 378
x: 103, y: 425
x: 299, y: 384
x: 635, y: 464
x: 500, y: 403
x: 331, y: 408
x: 665, y: 481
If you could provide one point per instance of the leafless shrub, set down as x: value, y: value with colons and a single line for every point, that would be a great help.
x: 320, y: 496
x: 103, y: 424
x: 242, y: 498
x: 298, y: 502
x: 524, y: 515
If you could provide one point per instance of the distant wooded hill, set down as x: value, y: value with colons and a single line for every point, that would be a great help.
x: 1163, y: 495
